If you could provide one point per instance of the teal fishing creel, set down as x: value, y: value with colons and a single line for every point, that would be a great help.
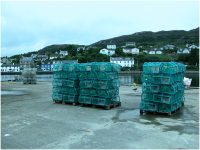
x: 71, y: 83
x: 85, y: 99
x: 167, y: 107
x: 84, y: 91
x: 92, y: 75
x: 148, y: 106
x: 105, y: 84
x: 103, y: 101
x: 169, y: 89
x: 147, y: 96
x: 86, y: 66
x: 86, y: 83
x: 82, y: 75
x: 56, y: 96
x: 93, y: 92
x: 73, y: 90
x: 57, y: 82
x: 58, y: 67
x: 102, y: 66
x: 115, y: 99
x: 70, y: 98
x: 164, y: 98
x: 73, y: 75
x: 116, y: 67
x: 71, y: 67
x: 107, y: 75
x: 56, y: 89
x: 146, y: 77
x: 152, y: 67
x: 108, y: 93
x: 150, y: 88
x: 64, y: 90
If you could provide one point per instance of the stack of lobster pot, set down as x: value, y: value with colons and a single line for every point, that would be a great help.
x: 58, y: 76
x: 99, y: 84
x: 29, y: 75
x: 71, y: 83
x: 162, y: 87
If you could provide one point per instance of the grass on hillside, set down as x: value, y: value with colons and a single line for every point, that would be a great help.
x: 159, y: 55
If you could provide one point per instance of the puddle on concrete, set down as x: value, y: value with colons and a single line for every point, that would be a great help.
x: 183, y: 114
x: 13, y: 93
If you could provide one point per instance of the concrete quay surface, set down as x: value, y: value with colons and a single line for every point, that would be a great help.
x: 30, y: 120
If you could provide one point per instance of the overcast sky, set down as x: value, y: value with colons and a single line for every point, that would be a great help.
x: 31, y: 25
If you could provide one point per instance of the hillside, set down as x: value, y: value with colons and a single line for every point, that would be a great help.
x: 179, y: 38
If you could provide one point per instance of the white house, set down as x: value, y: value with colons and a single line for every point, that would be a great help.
x: 107, y: 51
x: 111, y: 46
x: 64, y: 53
x: 193, y: 46
x: 186, y: 51
x: 131, y: 50
x: 78, y: 49
x: 123, y: 61
x: 10, y: 68
x: 54, y: 56
x: 145, y: 51
x: 169, y: 46
x: 152, y: 52
x: 130, y: 43
x: 158, y: 52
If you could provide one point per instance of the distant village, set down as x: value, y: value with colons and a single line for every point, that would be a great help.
x: 130, y: 47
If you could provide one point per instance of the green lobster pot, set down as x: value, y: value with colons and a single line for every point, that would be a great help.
x: 169, y: 89
x: 152, y: 67
x: 56, y: 89
x: 148, y: 106
x: 70, y: 98
x: 108, y: 92
x: 103, y: 101
x: 57, y: 82
x: 86, y: 84
x: 116, y: 67
x: 73, y: 75
x: 168, y: 78
x: 92, y: 75
x: 179, y: 77
x: 115, y: 99
x: 150, y: 88
x: 96, y: 84
x: 167, y: 107
x: 157, y: 98
x: 156, y: 79
x: 102, y: 66
x: 56, y: 96
x: 93, y: 92
x: 146, y: 77
x: 85, y: 99
x: 71, y: 83
x: 56, y: 75
x: 107, y: 75
x: 105, y: 84
x: 63, y: 75
x: 179, y: 104
x: 58, y: 67
x: 169, y: 68
x: 147, y: 97
x: 73, y: 90
x: 84, y: 91
x: 86, y: 66
x: 115, y: 83
x: 64, y: 90
x: 71, y: 67
x: 82, y: 75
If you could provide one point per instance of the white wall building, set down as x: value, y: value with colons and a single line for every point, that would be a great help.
x: 64, y: 53
x: 131, y: 50
x: 130, y: 43
x: 10, y: 68
x: 123, y: 61
x: 111, y: 46
x: 152, y: 52
x: 107, y: 51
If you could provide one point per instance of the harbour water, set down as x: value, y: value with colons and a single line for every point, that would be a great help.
x: 124, y: 79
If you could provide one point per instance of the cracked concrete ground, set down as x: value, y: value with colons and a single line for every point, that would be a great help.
x: 30, y: 120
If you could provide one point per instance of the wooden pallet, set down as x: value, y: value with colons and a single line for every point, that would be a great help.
x: 73, y: 103
x: 162, y: 112
x: 64, y: 102
x: 107, y: 107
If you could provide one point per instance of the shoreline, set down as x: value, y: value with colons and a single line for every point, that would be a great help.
x: 122, y: 72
